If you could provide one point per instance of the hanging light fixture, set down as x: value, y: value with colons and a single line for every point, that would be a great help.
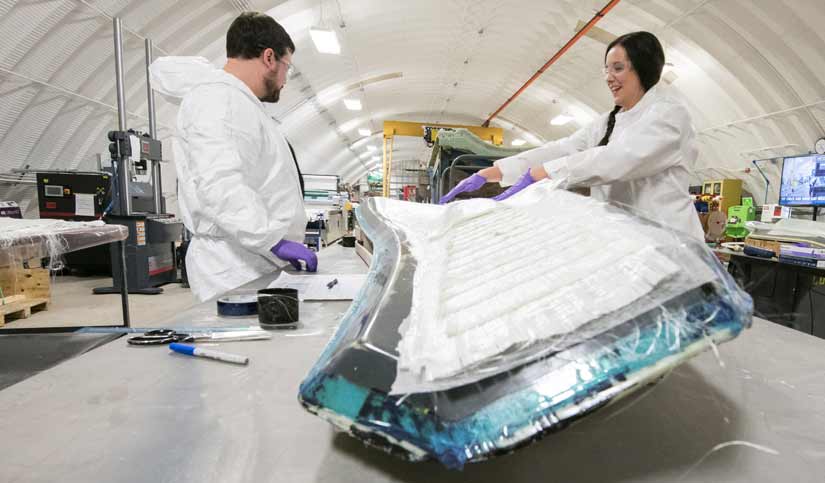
x: 325, y: 40
x: 352, y: 104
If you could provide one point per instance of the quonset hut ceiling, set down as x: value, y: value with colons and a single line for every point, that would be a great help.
x: 752, y: 71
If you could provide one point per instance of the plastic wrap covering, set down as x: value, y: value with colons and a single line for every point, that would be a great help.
x: 485, y: 325
x: 26, y: 239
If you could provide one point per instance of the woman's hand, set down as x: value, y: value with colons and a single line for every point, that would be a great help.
x: 538, y: 173
x: 466, y: 185
x: 531, y: 176
x: 523, y: 182
x: 491, y: 174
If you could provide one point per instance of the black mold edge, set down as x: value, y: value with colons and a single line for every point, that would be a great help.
x: 371, y: 440
x: 378, y: 441
x: 382, y: 443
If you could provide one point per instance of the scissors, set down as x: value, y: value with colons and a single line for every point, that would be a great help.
x: 167, y: 336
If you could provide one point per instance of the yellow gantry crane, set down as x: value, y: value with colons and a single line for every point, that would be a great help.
x: 416, y: 129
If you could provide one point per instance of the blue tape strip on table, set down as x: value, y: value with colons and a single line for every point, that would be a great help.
x: 140, y: 330
x: 238, y: 305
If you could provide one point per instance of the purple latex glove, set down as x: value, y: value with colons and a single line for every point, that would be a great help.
x: 472, y: 183
x: 523, y: 182
x: 294, y: 252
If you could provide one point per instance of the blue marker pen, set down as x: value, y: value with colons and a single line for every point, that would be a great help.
x: 191, y: 350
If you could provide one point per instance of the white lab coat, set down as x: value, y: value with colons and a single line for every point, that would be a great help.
x: 239, y: 192
x: 645, y: 166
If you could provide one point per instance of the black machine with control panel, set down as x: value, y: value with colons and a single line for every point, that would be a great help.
x: 74, y: 196
x: 77, y: 196
x: 138, y: 204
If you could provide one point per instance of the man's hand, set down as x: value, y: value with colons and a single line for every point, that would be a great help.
x: 294, y: 253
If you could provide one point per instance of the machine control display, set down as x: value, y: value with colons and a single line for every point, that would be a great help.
x: 53, y: 191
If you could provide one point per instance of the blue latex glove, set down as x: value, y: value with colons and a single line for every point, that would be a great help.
x: 523, y: 182
x: 472, y: 183
x: 294, y: 252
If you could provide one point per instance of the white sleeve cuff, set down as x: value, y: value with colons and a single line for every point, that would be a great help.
x: 511, y: 169
x: 557, y: 170
x: 268, y: 252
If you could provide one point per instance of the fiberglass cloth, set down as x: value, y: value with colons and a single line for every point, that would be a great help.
x: 497, y: 284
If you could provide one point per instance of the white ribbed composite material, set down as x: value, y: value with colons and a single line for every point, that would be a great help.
x: 496, y: 280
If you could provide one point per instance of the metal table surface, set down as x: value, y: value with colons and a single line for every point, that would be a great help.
x: 142, y: 414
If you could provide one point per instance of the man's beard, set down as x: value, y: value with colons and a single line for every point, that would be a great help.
x: 274, y: 92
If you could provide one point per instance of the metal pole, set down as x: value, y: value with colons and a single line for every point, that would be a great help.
x: 385, y: 185
x: 150, y: 94
x: 157, y: 189
x: 122, y: 168
x: 121, y: 98
x: 124, y: 289
x: 389, y: 166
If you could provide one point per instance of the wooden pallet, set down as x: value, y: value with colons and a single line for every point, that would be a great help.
x: 20, y: 307
x: 31, y: 282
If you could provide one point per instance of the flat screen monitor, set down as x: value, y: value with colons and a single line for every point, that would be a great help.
x: 803, y: 181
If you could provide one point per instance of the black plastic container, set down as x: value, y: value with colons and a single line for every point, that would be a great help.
x: 278, y: 308
x: 348, y: 241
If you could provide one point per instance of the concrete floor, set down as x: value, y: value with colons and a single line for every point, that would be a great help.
x: 73, y: 304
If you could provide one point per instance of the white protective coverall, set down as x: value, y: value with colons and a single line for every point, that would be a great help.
x: 645, y: 166
x: 239, y: 192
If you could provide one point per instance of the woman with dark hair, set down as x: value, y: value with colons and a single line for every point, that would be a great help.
x: 637, y: 155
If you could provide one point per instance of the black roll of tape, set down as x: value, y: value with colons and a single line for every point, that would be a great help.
x: 278, y: 307
x: 237, y: 305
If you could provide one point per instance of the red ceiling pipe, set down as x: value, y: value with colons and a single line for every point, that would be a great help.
x: 593, y: 21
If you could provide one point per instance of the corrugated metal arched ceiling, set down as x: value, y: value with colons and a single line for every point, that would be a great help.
x: 752, y: 71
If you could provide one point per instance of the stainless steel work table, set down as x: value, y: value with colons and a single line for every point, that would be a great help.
x: 121, y: 413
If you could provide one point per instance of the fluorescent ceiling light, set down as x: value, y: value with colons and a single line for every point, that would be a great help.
x: 365, y: 155
x: 372, y: 148
x: 532, y: 139
x: 669, y: 74
x: 375, y: 158
x: 364, y: 132
x: 353, y: 104
x: 518, y: 142
x: 325, y: 40
x: 561, y: 120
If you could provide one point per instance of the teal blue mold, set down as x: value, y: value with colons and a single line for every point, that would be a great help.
x: 494, y: 429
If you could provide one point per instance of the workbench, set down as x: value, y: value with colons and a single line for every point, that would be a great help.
x: 22, y: 241
x: 71, y: 237
x: 142, y: 414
